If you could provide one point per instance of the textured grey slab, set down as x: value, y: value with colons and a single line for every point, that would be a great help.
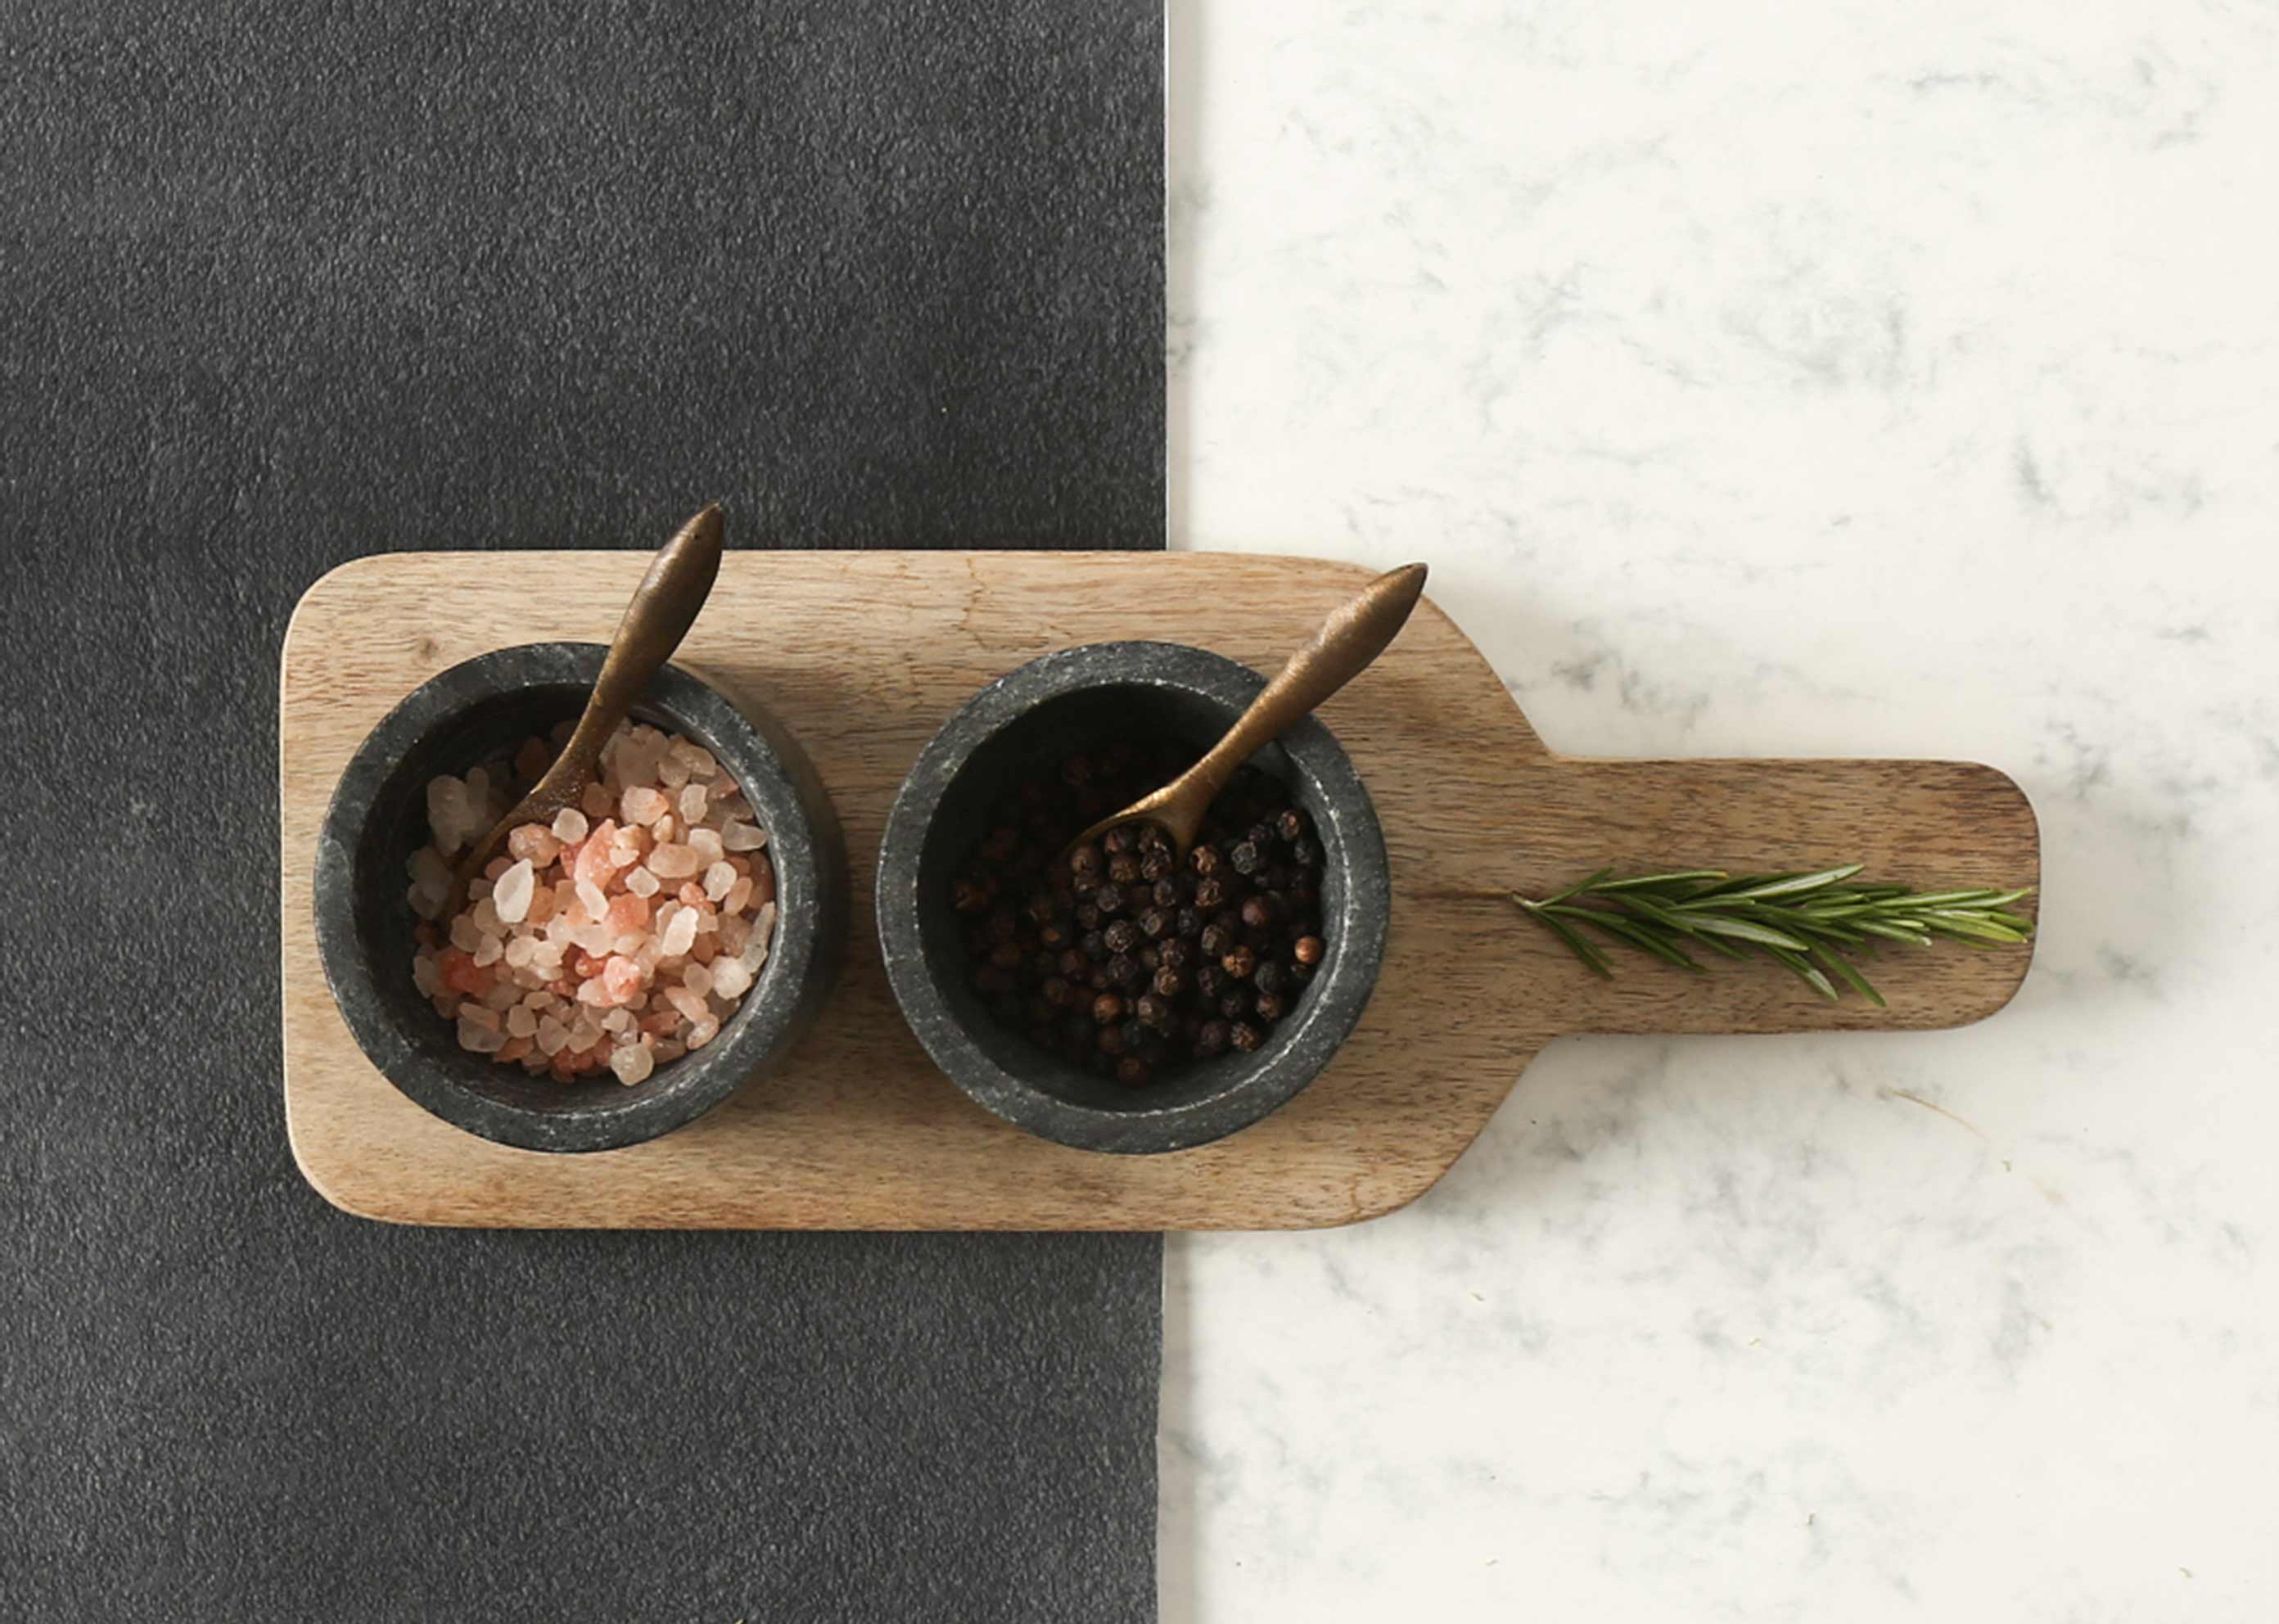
x: 279, y: 290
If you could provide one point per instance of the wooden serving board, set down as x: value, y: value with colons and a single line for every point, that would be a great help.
x: 865, y: 654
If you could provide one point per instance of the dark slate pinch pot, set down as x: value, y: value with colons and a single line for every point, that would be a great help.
x: 378, y: 817
x: 1081, y: 693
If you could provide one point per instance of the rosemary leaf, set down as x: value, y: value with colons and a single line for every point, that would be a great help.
x: 1810, y: 924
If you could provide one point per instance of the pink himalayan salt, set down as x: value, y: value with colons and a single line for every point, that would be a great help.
x: 742, y: 838
x: 669, y: 861
x: 616, y: 980
x: 641, y: 804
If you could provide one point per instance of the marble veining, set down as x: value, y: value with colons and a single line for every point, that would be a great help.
x: 1778, y: 381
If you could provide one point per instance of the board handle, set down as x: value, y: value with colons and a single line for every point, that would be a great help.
x: 1929, y: 824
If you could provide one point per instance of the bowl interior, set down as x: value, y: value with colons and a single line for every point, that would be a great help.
x: 1085, y: 717
x: 396, y: 826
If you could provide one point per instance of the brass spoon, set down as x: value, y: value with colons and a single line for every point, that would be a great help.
x: 1349, y: 640
x: 662, y: 609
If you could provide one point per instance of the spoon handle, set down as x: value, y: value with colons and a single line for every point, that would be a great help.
x: 662, y: 609
x: 1354, y: 635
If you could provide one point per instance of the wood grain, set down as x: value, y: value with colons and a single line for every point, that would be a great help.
x: 865, y: 654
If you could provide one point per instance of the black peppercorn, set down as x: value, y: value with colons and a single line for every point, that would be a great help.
x: 1088, y: 916
x: 970, y: 896
x: 1123, y: 970
x: 1166, y: 893
x: 1239, y: 960
x: 1259, y: 913
x: 1211, y: 1038
x: 1006, y: 955
x: 1118, y: 840
x: 1211, y: 982
x: 1124, y: 869
x: 1085, y: 859
x: 1154, y: 866
x: 1269, y: 1006
x: 1058, y: 992
x: 1070, y: 964
x: 1187, y: 922
x: 1214, y: 940
x: 1154, y: 922
x: 1098, y: 980
x: 1053, y: 933
x: 1245, y: 1036
x: 1245, y: 857
x: 1291, y: 824
x: 1121, y: 937
x: 1235, y: 1005
x: 1153, y: 1009
x: 1211, y: 893
x: 1306, y: 950
x: 1177, y: 953
x: 1305, y: 853
x: 1038, y: 908
x: 1131, y: 1071
x: 1109, y: 900
x: 1205, y: 860
x: 1169, y: 981
x: 1111, y: 1040
x: 1107, y: 1008
x: 1271, y: 976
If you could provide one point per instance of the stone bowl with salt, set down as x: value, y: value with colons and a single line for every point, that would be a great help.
x: 369, y: 934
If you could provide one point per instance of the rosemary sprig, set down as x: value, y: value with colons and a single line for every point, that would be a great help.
x: 1814, y: 924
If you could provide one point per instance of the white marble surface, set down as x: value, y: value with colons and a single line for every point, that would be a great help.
x: 1861, y: 378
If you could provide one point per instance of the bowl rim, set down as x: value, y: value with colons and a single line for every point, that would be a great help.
x: 1298, y: 1050
x: 771, y: 1012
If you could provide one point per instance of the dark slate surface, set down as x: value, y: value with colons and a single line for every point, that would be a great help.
x: 283, y: 285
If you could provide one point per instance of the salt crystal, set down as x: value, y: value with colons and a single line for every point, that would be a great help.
x: 706, y: 844
x: 487, y: 950
x: 729, y: 801
x: 620, y: 1021
x: 480, y: 1040
x: 569, y: 825
x: 692, y: 805
x: 590, y: 899
x: 475, y: 1014
x: 627, y: 914
x: 694, y: 756
x: 447, y: 812
x: 670, y: 861
x: 596, y: 802
x: 720, y: 879
x: 510, y: 901
x: 585, y: 1029
x: 734, y: 927
x: 552, y: 1036
x: 641, y: 883
x: 738, y: 894
x: 427, y: 867
x: 479, y: 784
x: 704, y: 1032
x: 520, y: 950
x: 691, y: 1005
x: 522, y: 1021
x: 503, y: 995
x: 663, y: 828
x: 533, y: 842
x: 697, y: 979
x: 592, y: 938
x: 622, y: 977
x: 631, y: 1062
x: 423, y: 902
x: 731, y: 978
x: 754, y: 953
x: 592, y: 994
x: 642, y: 804
x: 668, y: 1050
x: 465, y: 936
x: 425, y: 974
x: 743, y: 838
x: 672, y: 772
x: 679, y: 935
x: 629, y: 944
x: 478, y: 887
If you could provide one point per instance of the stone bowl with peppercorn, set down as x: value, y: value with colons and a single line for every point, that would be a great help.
x: 371, y: 937
x: 1119, y: 996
